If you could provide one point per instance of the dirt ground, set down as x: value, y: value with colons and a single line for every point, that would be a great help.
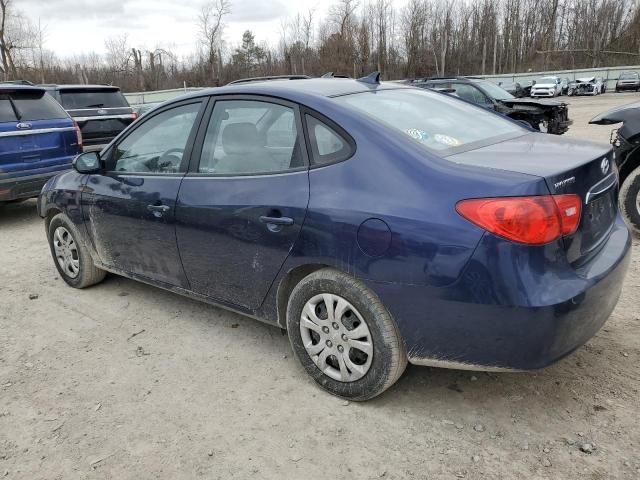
x: 126, y: 381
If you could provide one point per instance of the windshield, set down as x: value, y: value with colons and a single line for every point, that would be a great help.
x: 495, y: 91
x: 629, y: 76
x: 437, y: 121
x: 546, y: 80
x: 85, y: 98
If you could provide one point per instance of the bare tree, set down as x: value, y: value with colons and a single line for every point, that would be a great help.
x: 211, y: 23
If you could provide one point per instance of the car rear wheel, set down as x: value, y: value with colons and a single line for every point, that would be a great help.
x: 70, y: 255
x: 630, y: 200
x: 343, y: 336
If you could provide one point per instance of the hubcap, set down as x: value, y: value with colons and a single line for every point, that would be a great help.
x: 66, y: 252
x: 336, y: 337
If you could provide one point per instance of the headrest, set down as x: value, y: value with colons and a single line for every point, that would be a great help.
x: 240, y: 138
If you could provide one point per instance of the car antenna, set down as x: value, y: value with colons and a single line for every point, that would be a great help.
x: 373, y: 78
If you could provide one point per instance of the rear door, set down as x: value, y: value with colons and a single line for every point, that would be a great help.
x: 242, y: 205
x: 131, y: 207
x: 101, y: 112
x: 36, y: 134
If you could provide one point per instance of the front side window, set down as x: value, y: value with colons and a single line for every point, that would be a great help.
x: 470, y: 93
x: 158, y: 145
x: 247, y: 137
x: 439, y: 123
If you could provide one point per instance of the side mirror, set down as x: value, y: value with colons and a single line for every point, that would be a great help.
x: 88, y: 162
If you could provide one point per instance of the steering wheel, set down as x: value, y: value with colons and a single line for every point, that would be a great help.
x: 170, y: 159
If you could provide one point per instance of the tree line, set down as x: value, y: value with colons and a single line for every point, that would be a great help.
x: 422, y: 38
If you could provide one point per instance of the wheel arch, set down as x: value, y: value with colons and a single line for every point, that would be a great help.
x: 288, y: 283
x: 48, y: 216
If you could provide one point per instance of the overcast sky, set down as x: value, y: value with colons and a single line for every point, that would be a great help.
x: 76, y: 26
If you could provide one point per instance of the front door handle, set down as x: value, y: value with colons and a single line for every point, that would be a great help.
x: 158, y: 210
x: 284, y: 221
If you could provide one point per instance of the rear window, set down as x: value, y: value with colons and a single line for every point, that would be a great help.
x: 26, y: 106
x: 438, y: 122
x: 76, y: 99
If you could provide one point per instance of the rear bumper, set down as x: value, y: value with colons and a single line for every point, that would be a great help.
x: 26, y: 186
x: 628, y: 86
x: 505, y: 314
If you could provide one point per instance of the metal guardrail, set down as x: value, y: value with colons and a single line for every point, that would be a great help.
x: 158, y: 96
x: 609, y: 74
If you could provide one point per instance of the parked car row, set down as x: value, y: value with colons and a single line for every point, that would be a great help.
x: 553, y: 86
x: 42, y: 127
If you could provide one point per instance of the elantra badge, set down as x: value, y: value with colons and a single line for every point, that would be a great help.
x: 605, y: 165
x: 102, y: 111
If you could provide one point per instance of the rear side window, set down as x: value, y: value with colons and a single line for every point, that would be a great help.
x: 247, y: 137
x: 327, y: 145
x: 87, y: 98
x: 29, y: 106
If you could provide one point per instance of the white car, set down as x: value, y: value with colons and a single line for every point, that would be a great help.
x: 547, y: 87
x: 587, y: 86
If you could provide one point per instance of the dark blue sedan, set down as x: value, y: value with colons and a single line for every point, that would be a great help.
x: 376, y: 223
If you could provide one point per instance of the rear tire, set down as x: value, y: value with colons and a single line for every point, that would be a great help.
x: 70, y: 255
x: 343, y: 336
x: 630, y: 200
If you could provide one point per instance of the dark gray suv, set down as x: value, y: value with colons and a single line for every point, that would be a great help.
x: 101, y: 111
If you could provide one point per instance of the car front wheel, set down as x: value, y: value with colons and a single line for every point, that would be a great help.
x: 70, y: 255
x: 630, y: 200
x: 343, y: 336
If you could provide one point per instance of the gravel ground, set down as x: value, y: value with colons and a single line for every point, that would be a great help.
x: 126, y: 381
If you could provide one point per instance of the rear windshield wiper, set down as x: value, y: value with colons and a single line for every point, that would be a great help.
x: 95, y: 105
x: 14, y: 107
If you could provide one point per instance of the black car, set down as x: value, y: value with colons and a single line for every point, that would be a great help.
x: 626, y: 145
x: 514, y: 88
x: 628, y: 81
x: 545, y: 115
x: 101, y: 111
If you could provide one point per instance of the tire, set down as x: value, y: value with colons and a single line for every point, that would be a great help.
x: 64, y: 238
x: 365, y: 376
x: 630, y: 200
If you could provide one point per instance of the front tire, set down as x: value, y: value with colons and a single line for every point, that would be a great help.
x: 343, y: 336
x: 630, y: 200
x: 70, y: 255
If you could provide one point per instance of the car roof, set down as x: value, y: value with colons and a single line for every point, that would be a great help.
x: 17, y: 86
x: 78, y: 87
x: 315, y: 87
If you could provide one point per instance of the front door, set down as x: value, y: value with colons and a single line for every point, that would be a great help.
x: 130, y: 209
x: 241, y: 206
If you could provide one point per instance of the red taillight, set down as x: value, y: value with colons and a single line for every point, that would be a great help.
x: 532, y: 220
x: 134, y: 116
x: 78, y: 134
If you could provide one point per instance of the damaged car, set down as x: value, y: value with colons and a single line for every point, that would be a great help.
x: 550, y: 116
x: 587, y: 86
x: 626, y: 144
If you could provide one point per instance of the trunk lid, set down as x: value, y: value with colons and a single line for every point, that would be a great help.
x: 568, y: 167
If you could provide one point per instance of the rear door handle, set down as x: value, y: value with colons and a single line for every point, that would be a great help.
x: 285, y: 221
